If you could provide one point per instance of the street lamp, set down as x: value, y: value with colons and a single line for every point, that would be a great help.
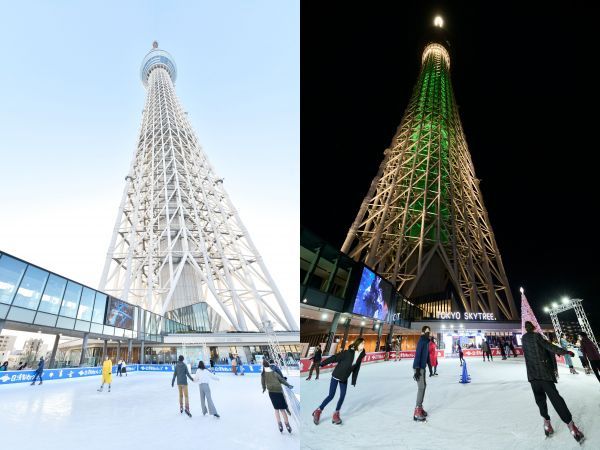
x: 565, y: 300
x: 546, y: 309
x: 554, y: 305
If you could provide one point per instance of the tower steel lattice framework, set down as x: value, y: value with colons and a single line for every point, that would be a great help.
x: 423, y: 224
x: 178, y: 240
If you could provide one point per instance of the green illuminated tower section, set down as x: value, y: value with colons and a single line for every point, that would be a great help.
x: 423, y: 224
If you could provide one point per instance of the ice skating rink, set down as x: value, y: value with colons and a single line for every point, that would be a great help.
x: 141, y: 412
x: 495, y: 411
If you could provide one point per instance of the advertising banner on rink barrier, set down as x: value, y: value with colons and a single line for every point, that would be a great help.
x: 467, y: 352
x: 369, y: 358
x: 248, y: 368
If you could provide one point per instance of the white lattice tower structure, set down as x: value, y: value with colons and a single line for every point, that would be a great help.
x: 178, y: 240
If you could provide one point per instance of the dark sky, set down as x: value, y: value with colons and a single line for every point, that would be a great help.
x: 526, y: 83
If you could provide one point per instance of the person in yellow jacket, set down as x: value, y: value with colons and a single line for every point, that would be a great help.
x: 106, y: 373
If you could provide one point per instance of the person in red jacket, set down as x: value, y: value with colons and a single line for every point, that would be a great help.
x: 433, y: 362
x: 590, y: 352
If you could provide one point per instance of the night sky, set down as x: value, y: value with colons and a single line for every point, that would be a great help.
x: 527, y: 87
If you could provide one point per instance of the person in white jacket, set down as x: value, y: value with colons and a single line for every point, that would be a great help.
x: 203, y: 376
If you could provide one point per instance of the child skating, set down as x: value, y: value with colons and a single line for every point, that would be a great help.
x: 348, y: 363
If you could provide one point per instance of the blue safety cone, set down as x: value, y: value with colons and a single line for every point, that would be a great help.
x: 465, y: 377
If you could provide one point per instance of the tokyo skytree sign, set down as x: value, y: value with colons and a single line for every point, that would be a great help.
x: 178, y: 239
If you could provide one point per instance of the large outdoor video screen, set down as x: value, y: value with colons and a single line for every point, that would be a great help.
x: 373, y: 297
x: 119, y: 314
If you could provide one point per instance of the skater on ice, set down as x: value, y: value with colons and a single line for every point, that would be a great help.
x: 590, y: 352
x: 4, y: 367
x: 485, y: 348
x: 106, y: 373
x: 39, y: 371
x: 272, y: 381
x: 512, y: 348
x: 419, y: 365
x: 541, y: 373
x: 502, y: 351
x: 397, y: 349
x: 316, y: 360
x: 234, y: 366
x: 123, y: 369
x: 433, y: 362
x: 568, y: 361
x: 348, y: 363
x: 182, y: 374
x: 460, y: 353
x: 203, y: 377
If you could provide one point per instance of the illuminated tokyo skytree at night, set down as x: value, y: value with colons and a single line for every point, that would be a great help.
x: 423, y: 224
x: 178, y: 241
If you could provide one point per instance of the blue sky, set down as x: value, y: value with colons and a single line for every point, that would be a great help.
x: 70, y: 112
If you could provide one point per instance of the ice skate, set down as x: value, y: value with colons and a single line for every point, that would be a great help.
x: 336, y: 418
x: 32, y: 384
x: 280, y: 427
x: 588, y: 371
x: 181, y: 410
x: 548, y: 430
x: 99, y: 390
x: 216, y: 415
x: 288, y: 427
x: 424, y: 412
x: 187, y: 411
x: 573, y: 371
x: 418, y: 415
x: 109, y: 388
x: 308, y: 379
x: 39, y: 383
x: 316, y: 416
x: 578, y: 435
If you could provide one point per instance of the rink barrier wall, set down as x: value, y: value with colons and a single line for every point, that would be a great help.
x: 380, y: 357
x: 24, y: 376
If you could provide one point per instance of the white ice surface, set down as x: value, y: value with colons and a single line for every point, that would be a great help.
x: 495, y: 411
x: 141, y: 412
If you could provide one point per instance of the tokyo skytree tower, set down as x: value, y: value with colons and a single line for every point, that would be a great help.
x: 423, y: 224
x: 178, y: 240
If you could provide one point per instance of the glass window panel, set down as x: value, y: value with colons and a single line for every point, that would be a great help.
x: 45, y: 319
x: 99, y: 308
x: 82, y: 325
x: 3, y: 310
x: 71, y: 300
x: 96, y: 328
x: 53, y: 294
x: 86, y: 305
x: 20, y: 315
x: 30, y: 289
x: 11, y: 271
x: 64, y: 322
x: 109, y: 330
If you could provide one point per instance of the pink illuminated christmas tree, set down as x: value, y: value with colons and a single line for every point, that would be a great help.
x: 527, y: 315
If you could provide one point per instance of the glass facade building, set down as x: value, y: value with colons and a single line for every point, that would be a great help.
x: 34, y: 296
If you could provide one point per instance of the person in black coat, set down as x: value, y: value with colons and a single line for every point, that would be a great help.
x: 541, y: 373
x: 348, y: 363
x: 316, y: 360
